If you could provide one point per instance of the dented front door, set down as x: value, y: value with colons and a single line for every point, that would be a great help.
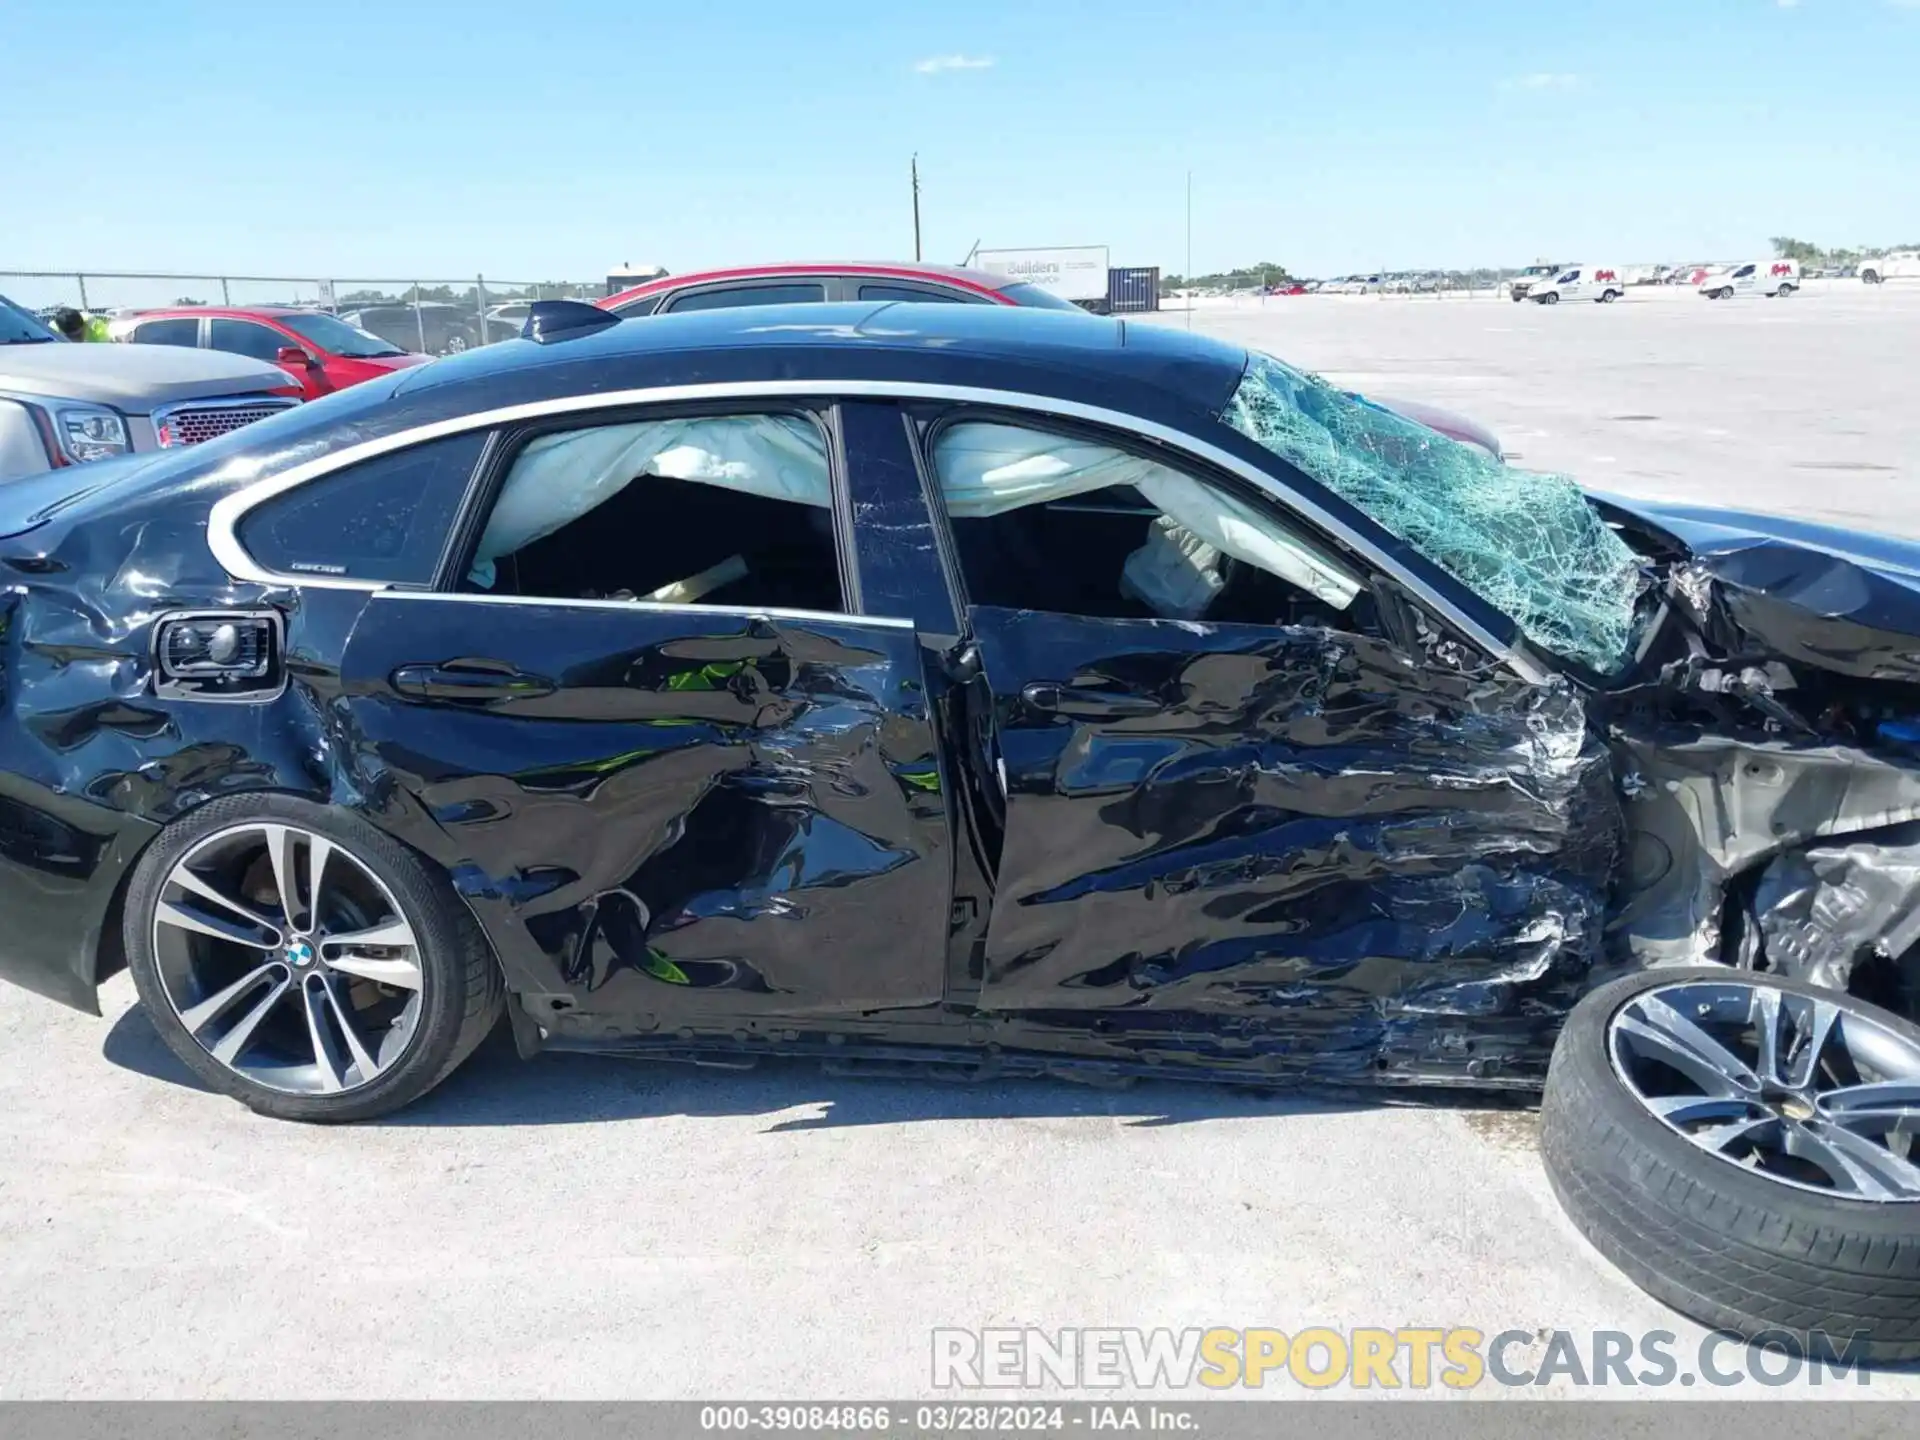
x: 683, y: 811
x: 1287, y: 845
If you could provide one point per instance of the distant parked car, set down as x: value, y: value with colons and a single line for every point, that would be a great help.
x: 1761, y: 277
x: 512, y: 312
x: 63, y: 404
x: 431, y: 328
x: 1894, y: 265
x: 320, y: 351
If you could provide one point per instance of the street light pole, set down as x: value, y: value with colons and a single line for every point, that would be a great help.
x: 916, y: 206
x: 1189, y: 249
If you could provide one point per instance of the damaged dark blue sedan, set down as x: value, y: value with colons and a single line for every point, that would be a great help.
x: 1004, y: 692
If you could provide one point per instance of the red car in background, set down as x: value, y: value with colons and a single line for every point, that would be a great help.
x: 319, y: 350
x: 801, y: 284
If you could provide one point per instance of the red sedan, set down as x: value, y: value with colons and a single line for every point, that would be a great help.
x: 800, y: 284
x: 319, y: 350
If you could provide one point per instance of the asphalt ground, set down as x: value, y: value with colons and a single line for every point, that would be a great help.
x: 586, y: 1228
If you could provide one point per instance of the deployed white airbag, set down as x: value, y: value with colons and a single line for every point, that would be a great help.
x: 559, y: 478
x: 1175, y: 574
x: 988, y: 469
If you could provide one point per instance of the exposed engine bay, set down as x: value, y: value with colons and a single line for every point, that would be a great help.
x: 1767, y: 752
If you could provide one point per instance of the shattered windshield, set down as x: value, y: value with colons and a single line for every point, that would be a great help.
x: 1527, y: 543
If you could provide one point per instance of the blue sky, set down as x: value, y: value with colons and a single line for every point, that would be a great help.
x: 559, y: 138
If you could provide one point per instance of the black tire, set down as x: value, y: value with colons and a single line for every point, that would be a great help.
x: 1724, y: 1245
x: 1550, y: 298
x: 462, y: 997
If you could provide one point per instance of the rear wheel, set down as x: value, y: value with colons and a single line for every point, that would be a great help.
x: 1744, y: 1148
x: 304, y: 962
x: 1786, y: 292
x: 1607, y: 297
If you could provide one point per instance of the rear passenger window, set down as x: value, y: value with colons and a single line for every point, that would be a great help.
x: 729, y: 296
x: 725, y: 510
x: 167, y: 332
x: 384, y: 519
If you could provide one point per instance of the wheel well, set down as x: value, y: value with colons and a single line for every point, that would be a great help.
x: 110, y: 947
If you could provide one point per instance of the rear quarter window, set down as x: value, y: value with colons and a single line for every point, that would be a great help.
x: 386, y: 519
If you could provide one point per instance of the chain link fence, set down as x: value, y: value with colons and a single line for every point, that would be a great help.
x: 426, y: 316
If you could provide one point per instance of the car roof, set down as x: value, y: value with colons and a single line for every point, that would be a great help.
x: 1173, y: 373
x: 885, y: 269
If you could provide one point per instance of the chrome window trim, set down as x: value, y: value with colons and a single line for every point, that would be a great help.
x: 742, y: 612
x: 225, y: 517
x: 166, y: 413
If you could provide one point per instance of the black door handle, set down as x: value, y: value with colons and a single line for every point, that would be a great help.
x: 473, y: 681
x: 1079, y: 704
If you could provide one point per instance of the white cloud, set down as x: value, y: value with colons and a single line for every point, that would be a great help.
x: 1787, y: 4
x: 938, y: 64
x: 1542, y: 80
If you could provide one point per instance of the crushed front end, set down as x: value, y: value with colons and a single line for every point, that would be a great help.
x: 1767, y: 748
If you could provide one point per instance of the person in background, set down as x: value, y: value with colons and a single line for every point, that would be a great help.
x: 78, y: 328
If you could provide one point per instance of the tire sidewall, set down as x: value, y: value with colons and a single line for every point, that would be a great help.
x: 412, y: 887
x: 1584, y: 1045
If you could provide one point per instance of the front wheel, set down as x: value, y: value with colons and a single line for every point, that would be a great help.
x: 1743, y: 1147
x: 304, y: 962
x: 1550, y: 298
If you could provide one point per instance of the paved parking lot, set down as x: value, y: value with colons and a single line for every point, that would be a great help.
x: 599, y: 1229
x: 1805, y: 404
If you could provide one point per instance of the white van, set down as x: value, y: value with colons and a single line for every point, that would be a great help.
x: 1602, y: 283
x: 1761, y: 277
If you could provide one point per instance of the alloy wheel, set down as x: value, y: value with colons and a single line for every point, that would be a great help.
x: 287, y: 959
x: 1810, y: 1092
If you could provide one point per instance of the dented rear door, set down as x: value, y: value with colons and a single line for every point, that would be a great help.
x: 686, y: 812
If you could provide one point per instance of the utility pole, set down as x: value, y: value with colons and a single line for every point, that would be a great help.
x: 916, y: 206
x: 1189, y: 249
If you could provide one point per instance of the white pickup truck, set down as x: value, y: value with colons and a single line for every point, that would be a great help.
x: 65, y: 404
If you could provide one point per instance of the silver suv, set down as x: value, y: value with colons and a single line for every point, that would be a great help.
x: 64, y: 404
